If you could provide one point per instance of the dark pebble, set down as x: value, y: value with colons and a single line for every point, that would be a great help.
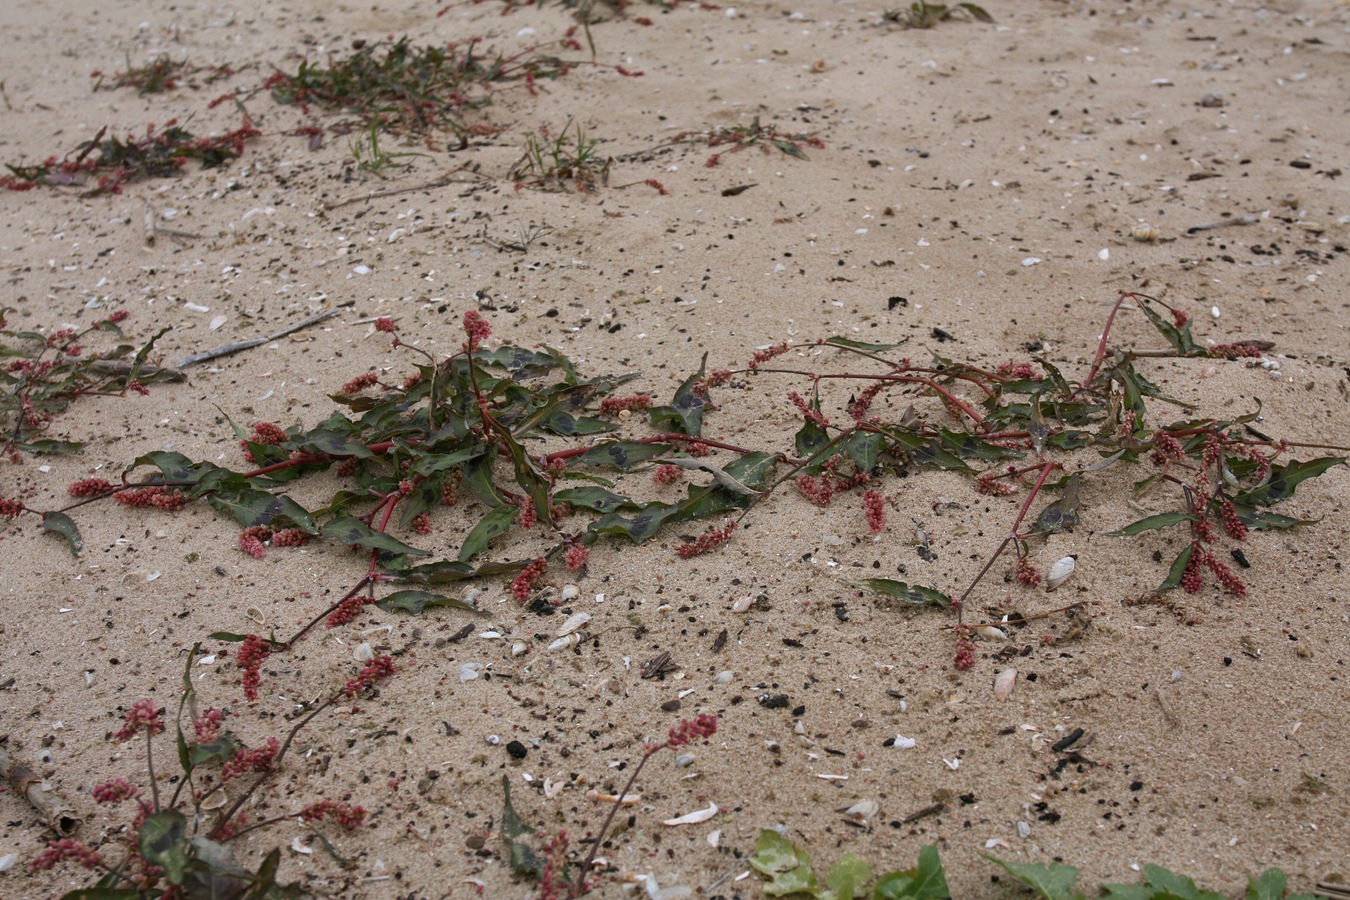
x: 516, y: 750
x: 774, y: 701
x: 670, y: 706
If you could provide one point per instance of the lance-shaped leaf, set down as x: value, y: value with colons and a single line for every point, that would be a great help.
x: 416, y: 602
x: 596, y: 499
x: 1150, y: 523
x: 442, y: 571
x: 497, y: 522
x: 926, y: 451
x: 1062, y: 513
x: 914, y: 594
x: 1179, y: 337
x: 431, y: 463
x: 524, y: 861
x: 1283, y: 479
x: 530, y: 479
x: 685, y: 413
x: 49, y: 446
x: 1178, y: 569
x: 354, y: 532
x: 968, y: 446
x: 334, y: 443
x: 638, y: 527
x: 622, y: 455
x: 478, y: 481
x: 64, y: 525
x: 850, y: 344
x: 253, y: 507
x: 720, y: 475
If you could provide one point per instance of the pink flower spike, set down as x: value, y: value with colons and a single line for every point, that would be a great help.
x: 142, y: 715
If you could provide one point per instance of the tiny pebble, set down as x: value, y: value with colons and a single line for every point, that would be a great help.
x: 516, y: 750
x: 1031, y: 261
x: 670, y: 706
x: 493, y: 739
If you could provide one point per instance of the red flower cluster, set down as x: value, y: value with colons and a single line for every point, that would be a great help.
x: 115, y: 791
x: 348, y: 610
x: 704, y: 725
x: 360, y: 383
x: 576, y: 557
x: 258, y: 759
x: 89, y: 487
x: 874, y: 505
x: 762, y: 356
x: 142, y: 715
x: 477, y: 329
x: 1232, y: 523
x: 809, y: 412
x: 118, y: 315
x: 378, y: 669
x: 385, y: 324
x: 1165, y: 448
x: 1235, y: 351
x: 156, y: 496
x: 528, y: 516
x: 666, y: 474
x: 1022, y: 370
x: 11, y: 508
x: 862, y: 404
x: 1027, y: 573
x: 206, y: 727
x: 66, y: 848
x: 523, y: 584
x: 250, y: 659
x: 713, y: 537
x: 989, y: 483
x: 1192, y: 577
x: 421, y: 523
x: 611, y: 405
x: 718, y: 378
x: 965, y: 648
x: 267, y: 433
x: 344, y: 814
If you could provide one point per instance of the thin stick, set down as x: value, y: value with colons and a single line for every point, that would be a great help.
x: 448, y: 178
x: 254, y: 342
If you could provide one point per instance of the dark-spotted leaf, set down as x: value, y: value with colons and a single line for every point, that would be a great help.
x: 915, y: 594
x: 64, y: 525
x: 355, y: 533
x: 253, y: 507
x: 596, y: 499
x: 163, y: 841
x: 1062, y: 513
x: 1283, y: 479
x: 622, y: 455
x: 685, y: 413
x: 416, y: 602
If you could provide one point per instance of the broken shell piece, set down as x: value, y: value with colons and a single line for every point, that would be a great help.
x: 625, y: 800
x: 519, y: 648
x: 553, y: 788
x: 1061, y: 570
x: 743, y: 604
x: 569, y: 592
x: 469, y: 671
x: 903, y: 743
x: 990, y: 633
x: 715, y: 838
x: 693, y: 818
x: 1004, y: 684
x: 256, y: 615
x: 863, y: 811
x: 215, y: 801
x: 363, y: 652
x: 1144, y: 233
x: 568, y: 641
x: 572, y: 623
x: 299, y: 847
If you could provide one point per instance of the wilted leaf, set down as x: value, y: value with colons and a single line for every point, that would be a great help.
x: 851, y: 344
x: 355, y: 533
x: 917, y: 595
x: 1149, y: 523
x: 719, y: 474
x: 64, y: 525
x: 1062, y: 513
x: 416, y: 602
x: 524, y: 861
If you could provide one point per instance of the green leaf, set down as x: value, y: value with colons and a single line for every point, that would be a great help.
x: 442, y: 571
x: 524, y: 861
x: 1178, y: 569
x: 253, y: 507
x: 1269, y: 885
x: 977, y: 13
x: 640, y: 527
x: 1061, y: 514
x: 916, y: 595
x: 926, y: 451
x: 1149, y: 523
x: 163, y: 842
x: 1051, y: 880
x: 334, y: 443
x: 811, y: 439
x: 685, y: 414
x: 594, y: 498
x: 1283, y: 479
x: 927, y: 881
x: 623, y: 455
x: 563, y: 423
x: 432, y: 463
x: 222, y: 748
x: 864, y: 448
x: 967, y: 446
x: 64, y: 525
x: 497, y: 522
x: 49, y: 445
x: 848, y: 877
x: 1179, y: 338
x: 355, y: 533
x: 788, y: 866
x: 1168, y: 884
x: 101, y: 893
x: 416, y: 602
x: 851, y: 344
x: 1130, y: 892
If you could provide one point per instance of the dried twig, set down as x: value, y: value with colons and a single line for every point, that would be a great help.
x: 254, y: 342
x: 55, y: 812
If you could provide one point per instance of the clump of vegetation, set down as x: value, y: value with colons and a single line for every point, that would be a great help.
x: 161, y: 152
x: 160, y: 74
x: 566, y: 161
x: 735, y: 138
x: 928, y: 15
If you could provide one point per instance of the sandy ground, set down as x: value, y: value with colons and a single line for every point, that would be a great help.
x: 1215, y: 729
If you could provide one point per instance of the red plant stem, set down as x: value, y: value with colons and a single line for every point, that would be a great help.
x: 1101, y: 345
x: 150, y: 768
x: 367, y: 581
x: 665, y: 438
x: 893, y: 377
x: 580, y: 887
x: 1013, y: 535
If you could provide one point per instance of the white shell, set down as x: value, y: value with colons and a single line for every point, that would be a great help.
x: 569, y: 592
x: 1004, y: 684
x: 903, y: 743
x: 566, y: 641
x: 572, y: 623
x: 553, y: 788
x: 1061, y: 570
x: 990, y: 633
x: 743, y: 604
x: 215, y: 801
x: 363, y: 652
x: 519, y: 648
x: 469, y: 671
x: 862, y: 811
x: 1145, y: 233
x: 693, y: 818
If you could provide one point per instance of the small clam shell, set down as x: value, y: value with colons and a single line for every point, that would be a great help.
x: 743, y: 604
x: 569, y: 592
x: 567, y: 641
x: 1145, y: 233
x: 256, y: 615
x: 520, y: 648
x: 862, y: 811
x: 1004, y: 684
x: 1061, y: 570
x: 363, y: 652
x: 990, y: 633
x: 572, y: 623
x: 215, y: 801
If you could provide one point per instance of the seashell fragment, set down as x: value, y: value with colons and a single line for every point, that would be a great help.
x: 863, y: 811
x: 469, y: 671
x: 625, y: 800
x: 1004, y: 684
x: 1146, y: 234
x: 363, y: 652
x: 693, y: 818
x: 990, y: 633
x: 743, y: 604
x: 572, y: 623
x: 519, y: 648
x: 215, y: 801
x: 569, y: 592
x: 256, y: 615
x: 1061, y: 570
x: 567, y: 641
x: 553, y: 788
x: 903, y: 743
